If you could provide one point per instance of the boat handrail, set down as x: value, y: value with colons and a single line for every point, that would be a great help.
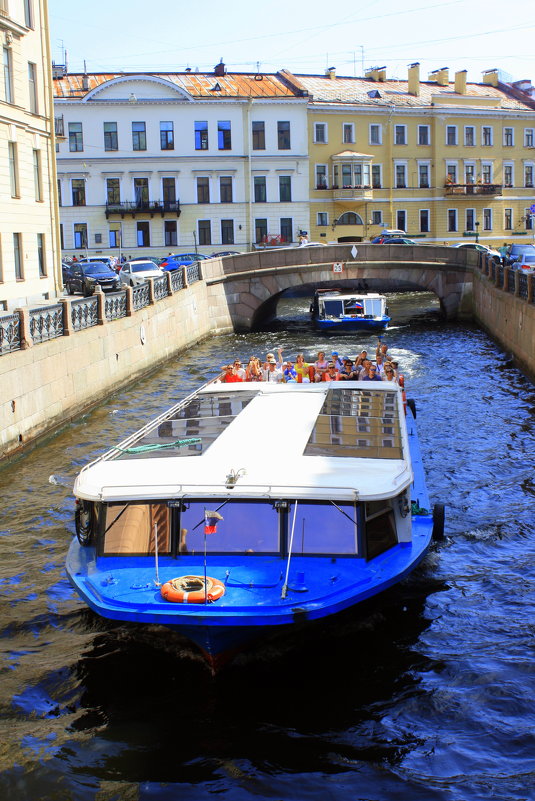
x: 267, y: 489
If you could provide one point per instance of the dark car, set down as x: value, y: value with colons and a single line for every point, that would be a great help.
x: 223, y: 253
x: 398, y: 240
x: 516, y: 252
x: 66, y: 271
x: 176, y: 260
x: 85, y: 277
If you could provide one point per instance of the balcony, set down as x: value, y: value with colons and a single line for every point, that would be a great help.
x: 151, y: 207
x: 59, y: 127
x: 349, y: 192
x: 473, y: 189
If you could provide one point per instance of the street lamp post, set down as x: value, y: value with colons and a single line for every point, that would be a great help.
x: 477, y: 231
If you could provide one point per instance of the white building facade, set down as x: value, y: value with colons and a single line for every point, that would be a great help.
x: 152, y: 164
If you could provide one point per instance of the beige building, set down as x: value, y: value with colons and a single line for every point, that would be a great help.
x: 29, y: 242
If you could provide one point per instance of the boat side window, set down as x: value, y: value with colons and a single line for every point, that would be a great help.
x: 246, y: 527
x: 333, y: 308
x: 380, y: 528
x: 131, y: 529
x: 324, y: 527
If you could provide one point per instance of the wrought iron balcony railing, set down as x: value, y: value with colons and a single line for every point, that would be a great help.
x: 473, y: 189
x: 151, y: 207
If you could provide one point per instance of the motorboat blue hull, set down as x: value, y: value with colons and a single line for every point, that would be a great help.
x: 351, y: 324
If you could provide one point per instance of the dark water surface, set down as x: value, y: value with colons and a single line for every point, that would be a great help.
x: 426, y: 694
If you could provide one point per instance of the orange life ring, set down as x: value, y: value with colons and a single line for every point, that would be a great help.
x: 191, y: 590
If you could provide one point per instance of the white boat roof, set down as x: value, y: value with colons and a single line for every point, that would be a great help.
x: 339, y: 296
x: 336, y: 440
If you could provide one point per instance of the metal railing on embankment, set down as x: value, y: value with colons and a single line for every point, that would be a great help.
x: 29, y: 326
x: 514, y: 282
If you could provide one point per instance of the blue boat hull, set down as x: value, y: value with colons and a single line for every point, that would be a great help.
x: 351, y: 324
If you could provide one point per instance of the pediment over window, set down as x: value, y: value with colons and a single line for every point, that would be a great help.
x: 139, y: 88
x: 345, y: 155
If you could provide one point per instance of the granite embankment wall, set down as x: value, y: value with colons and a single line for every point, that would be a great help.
x: 44, y: 386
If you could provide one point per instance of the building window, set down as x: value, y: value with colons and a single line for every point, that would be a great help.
x: 143, y: 234
x: 205, y: 232
x: 451, y: 173
x: 348, y: 133
x: 401, y: 220
x: 260, y: 226
x: 377, y: 217
x: 283, y: 135
x: 60, y: 198
x: 13, y: 168
x: 141, y: 192
x: 529, y: 137
x: 285, y: 188
x: 376, y: 176
x: 225, y: 189
x: 76, y: 138
x: 32, y: 87
x: 508, y: 219
x: 423, y: 176
x: 451, y: 134
x: 470, y: 220
x: 321, y: 176
x: 224, y: 141
x: 452, y: 219
x: 17, y: 252
x: 376, y: 134
x: 401, y: 176
x: 139, y: 136
x: 113, y: 191
x: 424, y: 221
x: 469, y: 136
x: 286, y: 227
x: 259, y: 188
x: 203, y: 190
x: 37, y: 177
x: 80, y: 236
x: 486, y: 135
x: 528, y: 217
x: 78, y: 191
x: 424, y: 137
x: 320, y: 132
x: 170, y: 233
x: 400, y: 134
x: 201, y: 135
x: 41, y: 255
x: 469, y: 174
x: 167, y: 136
x: 508, y: 175
x: 110, y: 136
x: 114, y: 237
x: 28, y: 13
x: 8, y: 75
x: 486, y: 173
x: 259, y: 135
x: 322, y: 218
x: 61, y: 239
x: 227, y: 232
x: 528, y: 175
x: 508, y: 137
x: 487, y: 219
x: 169, y: 193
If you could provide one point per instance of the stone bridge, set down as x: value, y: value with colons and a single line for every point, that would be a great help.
x: 244, y: 286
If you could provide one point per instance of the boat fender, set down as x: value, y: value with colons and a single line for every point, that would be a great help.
x: 191, y: 590
x: 83, y: 518
x: 439, y: 515
x: 411, y: 404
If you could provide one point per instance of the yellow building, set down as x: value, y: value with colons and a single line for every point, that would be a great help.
x: 29, y: 240
x: 441, y: 160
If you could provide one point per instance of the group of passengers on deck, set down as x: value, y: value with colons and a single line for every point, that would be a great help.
x: 335, y: 368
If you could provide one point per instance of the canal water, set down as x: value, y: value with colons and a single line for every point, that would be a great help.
x: 426, y: 694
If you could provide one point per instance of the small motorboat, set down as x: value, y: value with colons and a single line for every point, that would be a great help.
x: 333, y: 311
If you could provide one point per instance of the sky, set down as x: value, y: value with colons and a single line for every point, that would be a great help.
x: 304, y: 37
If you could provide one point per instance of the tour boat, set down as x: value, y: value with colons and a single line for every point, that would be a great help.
x: 333, y: 311
x: 250, y: 508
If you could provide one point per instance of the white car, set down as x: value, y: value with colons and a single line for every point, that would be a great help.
x: 133, y: 273
x: 481, y: 248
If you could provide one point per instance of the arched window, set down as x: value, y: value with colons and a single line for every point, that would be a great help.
x: 350, y: 218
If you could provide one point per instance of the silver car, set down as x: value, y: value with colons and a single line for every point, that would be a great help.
x: 135, y: 272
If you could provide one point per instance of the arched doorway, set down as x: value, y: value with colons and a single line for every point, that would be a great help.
x: 353, y: 219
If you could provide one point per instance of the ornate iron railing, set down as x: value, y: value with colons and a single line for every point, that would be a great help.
x: 523, y: 286
x: 46, y: 322
x: 510, y: 281
x: 140, y: 296
x: 84, y: 313
x: 9, y: 333
x: 500, y: 275
x: 161, y: 289
x: 193, y: 272
x: 115, y: 305
x: 177, y: 279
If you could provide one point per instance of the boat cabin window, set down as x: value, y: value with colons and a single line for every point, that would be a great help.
x: 333, y: 308
x: 380, y: 528
x: 131, y: 528
x: 246, y: 527
x: 323, y: 528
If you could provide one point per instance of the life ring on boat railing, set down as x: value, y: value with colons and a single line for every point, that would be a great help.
x: 83, y: 521
x: 401, y: 382
x: 192, y: 590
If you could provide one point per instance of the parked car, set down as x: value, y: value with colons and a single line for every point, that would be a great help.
x: 66, y: 271
x: 85, y: 277
x: 99, y: 260
x: 481, y: 248
x: 176, y: 260
x: 133, y: 273
x: 398, y: 240
x: 223, y: 253
x: 313, y: 245
x: 515, y: 252
x: 526, y: 262
x: 388, y: 233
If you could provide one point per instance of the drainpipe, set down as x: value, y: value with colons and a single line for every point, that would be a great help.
x: 390, y: 133
x: 249, y: 173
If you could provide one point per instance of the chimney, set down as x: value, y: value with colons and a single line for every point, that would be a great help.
x: 330, y: 73
x: 441, y: 76
x: 490, y: 77
x: 460, y: 82
x: 85, y: 83
x: 377, y: 74
x: 414, y: 79
x: 220, y: 69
